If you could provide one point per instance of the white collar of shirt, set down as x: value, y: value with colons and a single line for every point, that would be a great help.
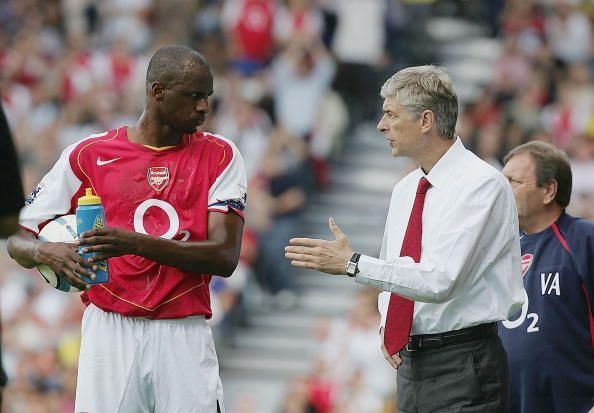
x: 439, y: 174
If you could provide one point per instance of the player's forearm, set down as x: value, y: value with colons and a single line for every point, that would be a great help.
x: 23, y: 247
x: 206, y: 257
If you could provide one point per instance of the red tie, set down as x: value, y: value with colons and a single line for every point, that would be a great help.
x: 400, y: 309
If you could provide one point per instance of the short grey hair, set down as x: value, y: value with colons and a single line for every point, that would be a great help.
x: 429, y: 87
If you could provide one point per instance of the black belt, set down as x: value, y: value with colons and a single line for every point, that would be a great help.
x: 439, y: 340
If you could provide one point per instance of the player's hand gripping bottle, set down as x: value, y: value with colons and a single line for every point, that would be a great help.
x: 89, y: 215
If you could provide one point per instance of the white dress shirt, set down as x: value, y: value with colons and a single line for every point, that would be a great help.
x: 470, y: 271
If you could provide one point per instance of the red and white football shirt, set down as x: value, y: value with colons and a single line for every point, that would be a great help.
x: 166, y: 193
x: 252, y: 24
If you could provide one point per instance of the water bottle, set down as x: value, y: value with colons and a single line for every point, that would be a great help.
x: 89, y: 215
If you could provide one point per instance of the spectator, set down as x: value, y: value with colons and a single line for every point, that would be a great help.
x: 569, y: 33
x: 362, y: 380
x: 582, y: 166
x: 298, y: 19
x: 302, y: 76
x: 284, y: 184
x: 249, y: 24
x: 240, y: 117
x: 358, y: 44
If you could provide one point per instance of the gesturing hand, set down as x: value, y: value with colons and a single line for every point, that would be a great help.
x: 317, y: 254
x: 108, y: 243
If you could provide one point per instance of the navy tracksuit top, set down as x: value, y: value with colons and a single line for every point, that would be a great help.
x: 550, y: 342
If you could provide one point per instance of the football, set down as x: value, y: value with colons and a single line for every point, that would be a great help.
x: 61, y: 229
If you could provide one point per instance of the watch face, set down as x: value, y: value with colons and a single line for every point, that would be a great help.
x: 350, y: 270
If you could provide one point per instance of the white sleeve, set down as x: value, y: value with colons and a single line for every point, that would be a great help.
x: 52, y: 197
x: 474, y: 235
x: 383, y: 298
x: 229, y: 191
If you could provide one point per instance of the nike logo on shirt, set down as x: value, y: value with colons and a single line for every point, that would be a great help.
x: 101, y: 163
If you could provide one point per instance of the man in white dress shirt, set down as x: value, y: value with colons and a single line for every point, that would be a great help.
x: 450, y: 264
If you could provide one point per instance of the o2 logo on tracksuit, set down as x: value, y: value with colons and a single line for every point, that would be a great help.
x: 533, y: 317
x: 549, y: 285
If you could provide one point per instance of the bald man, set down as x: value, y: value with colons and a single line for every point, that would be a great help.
x: 174, y: 198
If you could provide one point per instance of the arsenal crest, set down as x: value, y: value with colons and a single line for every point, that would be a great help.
x: 526, y: 262
x: 158, y: 177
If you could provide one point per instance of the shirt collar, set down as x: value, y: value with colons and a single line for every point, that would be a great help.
x: 438, y: 175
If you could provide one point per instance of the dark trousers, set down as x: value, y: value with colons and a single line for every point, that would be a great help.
x: 466, y: 377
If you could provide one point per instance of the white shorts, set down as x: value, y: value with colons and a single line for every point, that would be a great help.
x: 136, y: 365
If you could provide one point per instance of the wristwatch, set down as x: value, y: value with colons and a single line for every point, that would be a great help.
x: 352, y: 267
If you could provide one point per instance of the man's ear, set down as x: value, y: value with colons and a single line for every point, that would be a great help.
x: 427, y: 120
x: 550, y: 192
x: 157, y: 91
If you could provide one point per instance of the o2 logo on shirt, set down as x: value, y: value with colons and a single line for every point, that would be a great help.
x: 171, y: 214
x: 533, y: 317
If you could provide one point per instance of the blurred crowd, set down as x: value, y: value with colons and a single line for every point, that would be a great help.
x: 350, y: 374
x: 283, y: 72
x: 292, y: 78
x: 542, y: 89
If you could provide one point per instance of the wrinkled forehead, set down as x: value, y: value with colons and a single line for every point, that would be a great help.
x: 521, y: 165
x: 391, y: 104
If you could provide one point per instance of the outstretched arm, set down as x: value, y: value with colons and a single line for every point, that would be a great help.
x: 330, y: 257
x: 217, y: 255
